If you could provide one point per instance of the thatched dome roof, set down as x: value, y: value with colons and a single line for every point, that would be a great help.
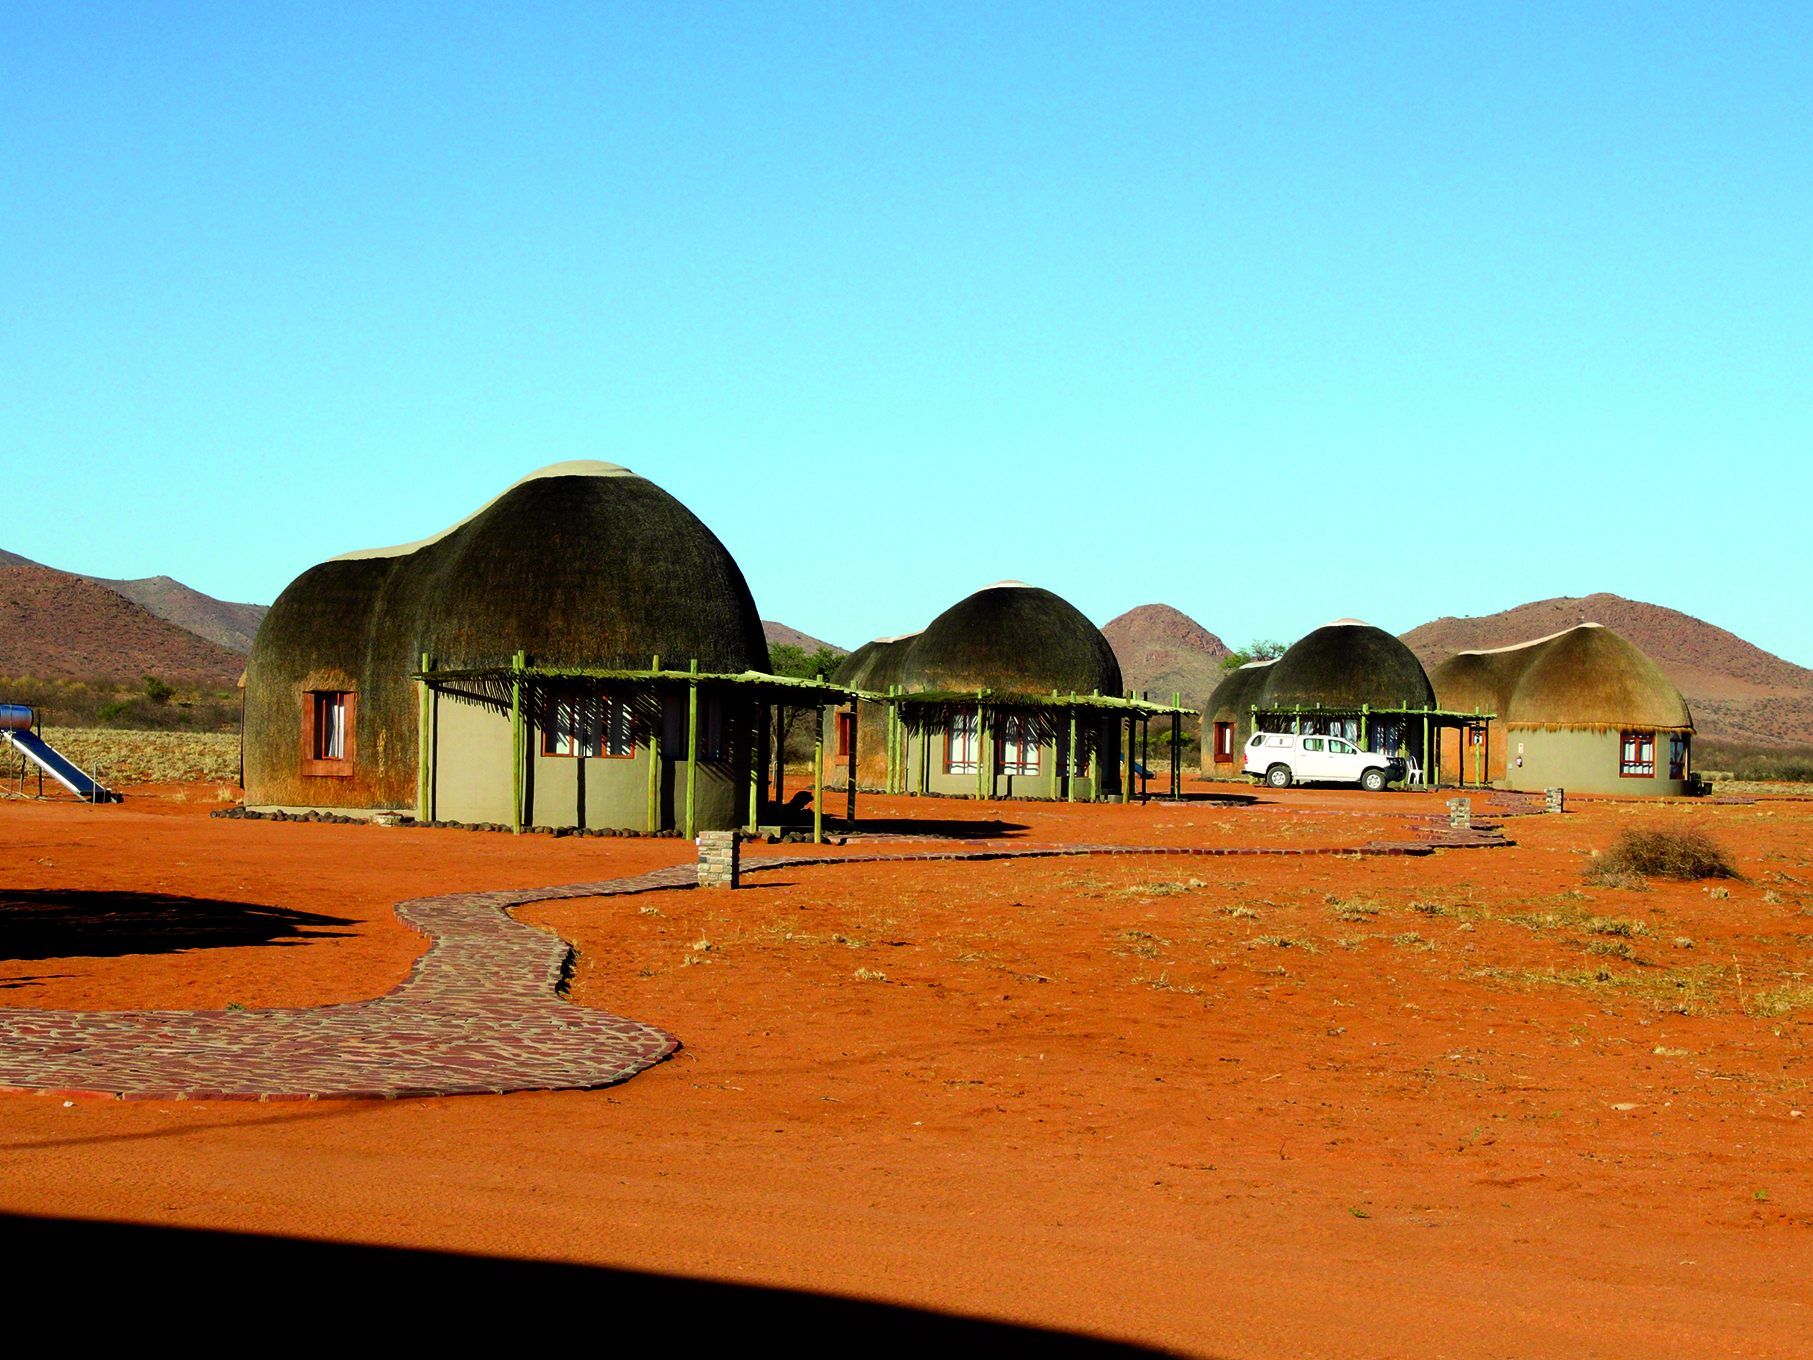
x: 579, y: 564
x: 1013, y: 639
x: 874, y: 665
x: 1343, y: 665
x: 1478, y: 682
x: 1587, y: 676
x: 1238, y: 691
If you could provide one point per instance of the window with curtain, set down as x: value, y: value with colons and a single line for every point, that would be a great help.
x: 590, y: 727
x: 1637, y: 755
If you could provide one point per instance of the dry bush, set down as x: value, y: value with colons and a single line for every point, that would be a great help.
x: 1660, y: 852
x: 125, y: 757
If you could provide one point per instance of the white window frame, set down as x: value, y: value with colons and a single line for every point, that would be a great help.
x: 1019, y: 744
x: 962, y: 744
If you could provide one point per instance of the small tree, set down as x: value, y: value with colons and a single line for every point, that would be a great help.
x: 795, y: 662
x: 157, y: 691
x: 1259, y: 649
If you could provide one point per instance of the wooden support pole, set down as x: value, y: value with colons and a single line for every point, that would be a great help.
x: 850, y: 791
x: 818, y: 786
x: 758, y: 720
x: 1125, y: 754
x: 517, y: 743
x: 692, y: 746
x: 421, y: 746
x: 894, y: 781
x: 1428, y: 780
x: 652, y: 823
x: 1176, y: 744
x: 981, y: 764
x: 1070, y: 759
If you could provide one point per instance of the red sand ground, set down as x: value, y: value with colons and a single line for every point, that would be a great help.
x: 1376, y: 1116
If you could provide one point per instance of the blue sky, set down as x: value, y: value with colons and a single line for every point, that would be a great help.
x: 1276, y: 314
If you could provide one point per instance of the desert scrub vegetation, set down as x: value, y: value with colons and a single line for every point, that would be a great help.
x: 1678, y: 991
x: 128, y: 757
x: 1752, y: 762
x: 1684, y: 854
x: 152, y: 704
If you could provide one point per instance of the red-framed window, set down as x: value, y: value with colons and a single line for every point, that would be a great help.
x: 1679, y: 748
x: 1224, y: 742
x: 1019, y: 744
x: 1637, y: 755
x: 593, y: 727
x: 846, y: 729
x: 327, y: 733
x: 962, y: 745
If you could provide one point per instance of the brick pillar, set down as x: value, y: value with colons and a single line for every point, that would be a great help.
x: 1460, y: 812
x: 1554, y: 800
x: 720, y: 859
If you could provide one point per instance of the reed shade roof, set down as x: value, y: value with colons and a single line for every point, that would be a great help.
x: 1017, y: 642
x: 1345, y: 666
x: 582, y: 565
x: 1235, y: 696
x: 1588, y: 676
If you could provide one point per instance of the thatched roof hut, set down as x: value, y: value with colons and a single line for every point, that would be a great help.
x: 1346, y: 665
x: 1587, y: 676
x: 1238, y: 691
x: 1581, y: 709
x: 1015, y: 641
x: 579, y: 564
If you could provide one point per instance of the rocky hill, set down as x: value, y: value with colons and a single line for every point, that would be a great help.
x: 1162, y: 649
x: 57, y: 626
x: 231, y: 625
x: 780, y: 635
x: 1737, y: 690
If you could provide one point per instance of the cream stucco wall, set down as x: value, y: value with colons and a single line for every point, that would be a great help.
x: 1582, y: 760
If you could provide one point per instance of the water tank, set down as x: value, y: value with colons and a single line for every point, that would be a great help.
x: 14, y: 717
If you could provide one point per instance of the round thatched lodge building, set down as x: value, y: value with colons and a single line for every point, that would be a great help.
x: 1346, y: 679
x: 580, y: 652
x: 1009, y: 693
x: 1583, y: 710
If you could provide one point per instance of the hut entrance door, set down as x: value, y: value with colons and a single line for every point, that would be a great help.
x: 1224, y: 743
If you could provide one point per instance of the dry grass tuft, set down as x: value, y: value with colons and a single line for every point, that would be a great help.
x: 1660, y: 852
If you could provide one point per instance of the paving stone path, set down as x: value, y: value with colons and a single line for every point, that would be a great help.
x: 481, y: 1011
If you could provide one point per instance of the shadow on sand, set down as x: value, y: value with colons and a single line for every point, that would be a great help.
x: 57, y: 923
x: 940, y: 828
x: 203, y: 1283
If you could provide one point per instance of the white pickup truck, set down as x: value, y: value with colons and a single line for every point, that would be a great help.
x: 1286, y: 758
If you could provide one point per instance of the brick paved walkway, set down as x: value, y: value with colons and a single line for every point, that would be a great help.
x: 481, y: 1011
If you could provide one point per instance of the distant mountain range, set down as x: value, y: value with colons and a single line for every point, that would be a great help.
x: 1736, y: 690
x: 61, y: 625
x: 58, y: 626
x: 232, y: 626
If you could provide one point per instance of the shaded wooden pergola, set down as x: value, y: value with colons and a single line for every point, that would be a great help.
x: 522, y: 688
x: 1431, y: 719
x: 1055, y: 718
